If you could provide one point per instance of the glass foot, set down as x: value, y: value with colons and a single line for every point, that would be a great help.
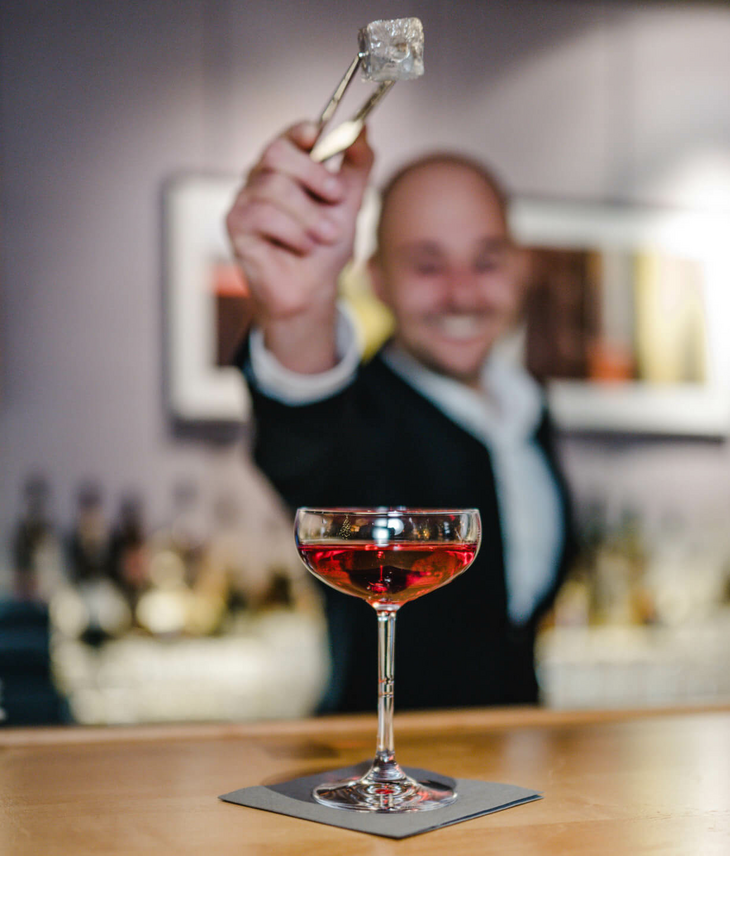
x: 368, y: 795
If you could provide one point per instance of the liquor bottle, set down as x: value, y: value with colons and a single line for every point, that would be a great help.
x: 174, y: 602
x: 128, y: 563
x: 222, y: 596
x: 610, y: 579
x: 91, y: 608
x: 621, y: 592
x: 278, y: 593
x: 36, y: 552
x: 185, y: 534
x: 641, y: 609
x: 88, y: 544
x: 163, y: 608
x: 576, y: 603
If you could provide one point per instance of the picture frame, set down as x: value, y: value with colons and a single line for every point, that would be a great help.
x: 197, y: 257
x: 195, y: 245
x: 630, y: 406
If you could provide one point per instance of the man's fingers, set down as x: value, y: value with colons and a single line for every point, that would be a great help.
x: 319, y: 220
x: 287, y: 157
x: 260, y: 220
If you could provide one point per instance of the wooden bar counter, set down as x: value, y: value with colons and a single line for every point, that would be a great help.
x: 628, y: 783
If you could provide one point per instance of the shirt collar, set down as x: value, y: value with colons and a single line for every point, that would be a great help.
x: 508, y: 410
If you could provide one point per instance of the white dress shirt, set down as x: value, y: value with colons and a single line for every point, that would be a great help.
x: 504, y: 417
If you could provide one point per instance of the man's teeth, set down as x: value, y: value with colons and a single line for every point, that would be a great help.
x: 459, y: 327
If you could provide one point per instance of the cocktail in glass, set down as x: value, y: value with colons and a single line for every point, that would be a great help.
x: 387, y: 557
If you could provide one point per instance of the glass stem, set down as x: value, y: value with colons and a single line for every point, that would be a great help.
x: 385, y: 768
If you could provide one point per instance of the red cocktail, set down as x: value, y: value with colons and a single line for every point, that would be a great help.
x: 391, y: 575
x: 386, y: 557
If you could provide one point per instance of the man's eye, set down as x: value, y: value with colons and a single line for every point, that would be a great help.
x: 427, y: 268
x: 487, y: 264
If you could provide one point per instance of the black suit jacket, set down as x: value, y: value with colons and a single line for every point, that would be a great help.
x: 381, y: 443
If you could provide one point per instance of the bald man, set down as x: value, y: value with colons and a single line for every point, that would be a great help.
x: 436, y: 419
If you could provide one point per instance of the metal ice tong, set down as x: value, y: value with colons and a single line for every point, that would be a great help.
x: 389, y: 43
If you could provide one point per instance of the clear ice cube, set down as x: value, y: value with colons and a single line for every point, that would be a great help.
x: 392, y: 50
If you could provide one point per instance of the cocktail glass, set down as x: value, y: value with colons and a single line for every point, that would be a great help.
x: 387, y: 557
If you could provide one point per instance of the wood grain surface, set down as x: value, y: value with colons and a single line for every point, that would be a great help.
x: 614, y: 783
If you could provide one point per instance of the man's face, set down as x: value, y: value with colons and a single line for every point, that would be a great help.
x: 446, y: 269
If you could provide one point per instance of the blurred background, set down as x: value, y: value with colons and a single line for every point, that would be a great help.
x: 147, y: 570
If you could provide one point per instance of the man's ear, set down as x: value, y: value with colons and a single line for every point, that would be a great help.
x: 525, y: 266
x: 521, y: 268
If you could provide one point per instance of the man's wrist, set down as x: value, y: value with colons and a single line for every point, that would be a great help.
x: 304, y: 344
x: 275, y: 379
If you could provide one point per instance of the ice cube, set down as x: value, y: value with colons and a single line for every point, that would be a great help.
x: 392, y: 50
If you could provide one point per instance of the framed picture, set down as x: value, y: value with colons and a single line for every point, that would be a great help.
x: 627, y: 311
x: 206, y: 309
x: 628, y: 316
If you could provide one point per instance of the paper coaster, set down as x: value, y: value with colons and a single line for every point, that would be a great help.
x: 294, y: 798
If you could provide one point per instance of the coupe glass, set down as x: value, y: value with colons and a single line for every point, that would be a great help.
x: 387, y: 557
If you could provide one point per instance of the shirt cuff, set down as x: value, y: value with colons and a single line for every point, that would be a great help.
x: 294, y: 389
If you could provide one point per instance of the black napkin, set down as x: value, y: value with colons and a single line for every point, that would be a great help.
x: 294, y: 798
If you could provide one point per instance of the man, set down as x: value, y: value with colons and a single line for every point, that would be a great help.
x: 434, y: 420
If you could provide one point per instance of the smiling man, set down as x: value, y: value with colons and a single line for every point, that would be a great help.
x: 445, y: 264
x: 436, y: 419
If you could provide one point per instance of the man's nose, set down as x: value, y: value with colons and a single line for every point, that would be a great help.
x: 463, y: 289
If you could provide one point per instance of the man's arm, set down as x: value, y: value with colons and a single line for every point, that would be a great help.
x: 292, y: 229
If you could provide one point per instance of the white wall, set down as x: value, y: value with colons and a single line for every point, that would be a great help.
x: 101, y: 102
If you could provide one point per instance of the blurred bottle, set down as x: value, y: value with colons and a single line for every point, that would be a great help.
x: 687, y: 570
x: 128, y: 552
x: 90, y: 608
x: 641, y: 605
x: 88, y: 544
x: 36, y: 551
x: 278, y: 594
x: 574, y: 605
x: 185, y: 534
x: 621, y: 595
x: 179, y: 599
x: 164, y: 607
x: 219, y: 586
